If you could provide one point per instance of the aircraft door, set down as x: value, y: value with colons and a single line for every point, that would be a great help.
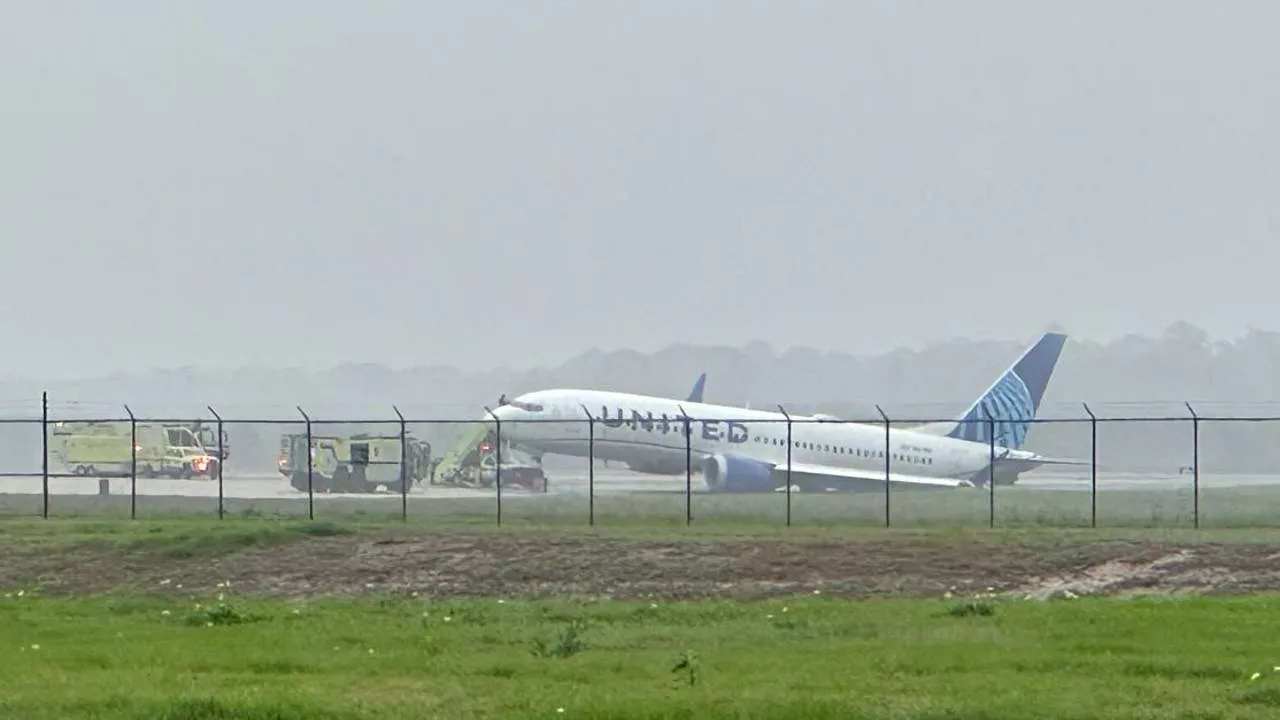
x: 573, y: 422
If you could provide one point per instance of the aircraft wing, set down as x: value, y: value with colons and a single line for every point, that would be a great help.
x: 864, y: 479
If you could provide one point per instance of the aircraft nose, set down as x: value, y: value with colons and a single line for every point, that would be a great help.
x: 504, y: 413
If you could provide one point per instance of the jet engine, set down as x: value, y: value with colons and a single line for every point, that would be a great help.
x: 736, y: 474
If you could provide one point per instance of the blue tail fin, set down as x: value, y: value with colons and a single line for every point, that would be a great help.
x: 695, y: 395
x: 1012, y: 401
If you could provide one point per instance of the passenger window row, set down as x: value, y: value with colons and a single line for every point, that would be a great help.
x: 839, y: 450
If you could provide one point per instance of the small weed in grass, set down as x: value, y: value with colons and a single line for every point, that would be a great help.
x: 566, y: 643
x: 222, y: 614
x: 687, y: 667
x: 971, y: 608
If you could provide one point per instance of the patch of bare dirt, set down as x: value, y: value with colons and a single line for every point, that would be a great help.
x: 538, y: 565
x: 1215, y: 568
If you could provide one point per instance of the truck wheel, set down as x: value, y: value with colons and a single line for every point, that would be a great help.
x: 341, y: 481
x: 319, y: 483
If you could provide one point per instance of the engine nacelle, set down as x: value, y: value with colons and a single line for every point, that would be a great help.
x: 821, y: 417
x: 736, y: 474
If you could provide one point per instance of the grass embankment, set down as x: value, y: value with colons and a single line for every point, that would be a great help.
x: 151, y: 649
x: 800, y: 658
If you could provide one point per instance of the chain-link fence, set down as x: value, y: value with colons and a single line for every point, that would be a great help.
x: 1172, y: 465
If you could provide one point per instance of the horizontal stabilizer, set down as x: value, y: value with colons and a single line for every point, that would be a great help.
x: 1032, y: 462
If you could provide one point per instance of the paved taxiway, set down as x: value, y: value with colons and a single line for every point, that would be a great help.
x: 266, y: 486
x: 608, y: 481
x: 1113, y: 481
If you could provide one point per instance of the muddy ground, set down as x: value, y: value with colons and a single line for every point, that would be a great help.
x: 542, y: 565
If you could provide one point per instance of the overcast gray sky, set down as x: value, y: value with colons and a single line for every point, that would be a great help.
x: 480, y: 183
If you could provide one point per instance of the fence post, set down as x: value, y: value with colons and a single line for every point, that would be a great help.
x: 404, y: 465
x: 885, y: 417
x: 1093, y: 467
x: 311, y: 497
x: 222, y: 453
x: 497, y: 463
x: 1195, y: 466
x: 44, y: 445
x: 591, y: 467
x: 688, y: 466
x: 133, y: 464
x: 991, y: 471
x: 787, y: 415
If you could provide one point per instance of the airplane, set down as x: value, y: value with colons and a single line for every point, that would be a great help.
x: 740, y: 450
x: 649, y: 463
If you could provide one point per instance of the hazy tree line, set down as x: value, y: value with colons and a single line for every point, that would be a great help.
x: 1144, y: 376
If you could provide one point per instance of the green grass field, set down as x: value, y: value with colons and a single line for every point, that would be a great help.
x: 1011, y: 506
x: 134, y: 658
x: 160, y: 652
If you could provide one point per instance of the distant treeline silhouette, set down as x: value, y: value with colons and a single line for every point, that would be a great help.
x: 1133, y: 375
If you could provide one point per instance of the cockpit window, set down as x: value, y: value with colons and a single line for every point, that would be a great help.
x: 521, y: 404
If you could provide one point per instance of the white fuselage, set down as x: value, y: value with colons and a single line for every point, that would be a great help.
x: 639, y: 428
